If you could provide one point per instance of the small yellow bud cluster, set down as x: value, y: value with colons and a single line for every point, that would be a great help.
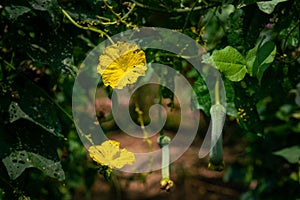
x: 166, y: 184
x: 241, y: 112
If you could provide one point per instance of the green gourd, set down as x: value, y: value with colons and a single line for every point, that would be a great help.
x: 166, y: 183
x: 216, y: 161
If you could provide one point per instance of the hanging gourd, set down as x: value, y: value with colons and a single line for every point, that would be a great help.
x: 164, y: 143
x: 216, y: 161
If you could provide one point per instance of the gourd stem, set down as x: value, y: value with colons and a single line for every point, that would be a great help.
x: 217, y: 93
x: 165, y: 162
x: 142, y: 125
x: 161, y: 132
x: 164, y: 143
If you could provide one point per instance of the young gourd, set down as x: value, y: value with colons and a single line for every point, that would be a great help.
x: 216, y: 161
x: 166, y: 183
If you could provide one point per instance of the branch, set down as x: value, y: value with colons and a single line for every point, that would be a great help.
x: 289, y: 33
x: 189, y: 15
x: 118, y: 15
x: 86, y: 27
x: 175, y: 10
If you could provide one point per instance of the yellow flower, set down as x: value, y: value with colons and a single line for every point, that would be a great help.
x: 121, y: 64
x: 110, y: 154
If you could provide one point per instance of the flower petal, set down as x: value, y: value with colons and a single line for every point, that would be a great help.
x: 126, y: 157
x: 121, y: 64
x: 110, y: 154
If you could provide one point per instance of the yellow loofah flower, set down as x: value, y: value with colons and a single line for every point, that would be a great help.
x: 110, y: 154
x: 121, y: 64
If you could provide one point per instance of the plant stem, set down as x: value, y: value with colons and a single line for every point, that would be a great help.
x: 86, y: 27
x: 10, y: 65
x: 129, y: 12
x: 289, y: 33
x: 141, y: 121
x: 118, y: 15
x: 176, y: 10
x: 217, y: 93
x: 117, y: 186
x: 146, y: 138
x: 189, y: 15
x: 161, y: 132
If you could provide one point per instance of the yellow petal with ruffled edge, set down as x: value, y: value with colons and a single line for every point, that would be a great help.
x: 121, y: 64
x: 110, y: 154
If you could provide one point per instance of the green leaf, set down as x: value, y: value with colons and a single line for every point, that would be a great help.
x: 230, y: 62
x: 51, y: 49
x: 202, y: 101
x: 250, y: 58
x: 230, y: 96
x: 268, y: 6
x: 15, y: 11
x: 264, y: 58
x: 36, y: 106
x: 15, y: 113
x: 18, y: 161
x: 51, y: 6
x: 291, y: 154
